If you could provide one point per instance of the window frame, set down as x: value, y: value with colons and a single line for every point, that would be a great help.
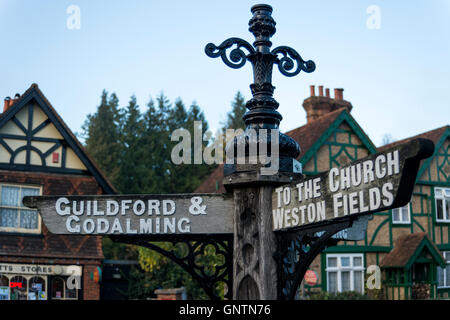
x: 444, y: 199
x: 446, y: 255
x: 339, y: 269
x: 28, y: 278
x: 401, y: 216
x: 64, y: 289
x: 38, y: 230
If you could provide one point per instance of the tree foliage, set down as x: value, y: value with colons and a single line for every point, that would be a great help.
x: 234, y: 117
x: 133, y: 149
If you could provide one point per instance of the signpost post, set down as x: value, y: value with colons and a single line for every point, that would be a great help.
x: 277, y: 220
x: 254, y: 267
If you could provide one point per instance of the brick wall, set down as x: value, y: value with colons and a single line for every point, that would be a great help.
x: 48, y: 248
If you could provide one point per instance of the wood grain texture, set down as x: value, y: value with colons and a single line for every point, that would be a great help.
x: 218, y: 217
x: 254, y: 244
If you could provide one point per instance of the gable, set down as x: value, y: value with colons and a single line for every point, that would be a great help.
x: 437, y: 168
x: 412, y: 248
x: 29, y: 138
x: 34, y: 138
x: 426, y: 252
x: 342, y: 142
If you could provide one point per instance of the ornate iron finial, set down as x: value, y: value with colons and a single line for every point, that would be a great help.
x: 262, y: 107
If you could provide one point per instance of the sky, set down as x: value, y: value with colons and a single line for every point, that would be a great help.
x: 393, y: 63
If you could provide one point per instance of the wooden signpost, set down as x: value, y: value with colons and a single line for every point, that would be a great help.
x: 376, y: 183
x: 192, y: 221
x: 136, y: 214
x: 268, y: 228
x: 316, y: 212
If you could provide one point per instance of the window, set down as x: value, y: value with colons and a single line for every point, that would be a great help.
x: 36, y: 289
x: 444, y: 273
x: 18, y: 285
x: 14, y: 216
x: 4, y: 288
x: 60, y: 290
x: 442, y: 196
x: 23, y: 287
x: 345, y: 272
x: 401, y: 215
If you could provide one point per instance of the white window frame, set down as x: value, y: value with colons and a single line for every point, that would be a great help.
x: 339, y: 269
x: 446, y: 255
x: 401, y: 216
x: 445, y: 196
x: 21, y: 230
x: 28, y: 278
x: 63, y: 293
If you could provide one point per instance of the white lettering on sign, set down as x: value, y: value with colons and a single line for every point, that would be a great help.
x: 64, y: 207
x: 143, y: 226
x: 361, y: 187
x: 159, y: 211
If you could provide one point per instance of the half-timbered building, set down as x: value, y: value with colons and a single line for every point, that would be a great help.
x: 39, y: 155
x: 411, y: 244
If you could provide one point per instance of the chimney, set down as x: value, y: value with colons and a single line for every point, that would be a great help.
x: 9, y: 102
x: 6, y: 104
x: 312, y: 89
x: 319, y: 106
x: 339, y: 94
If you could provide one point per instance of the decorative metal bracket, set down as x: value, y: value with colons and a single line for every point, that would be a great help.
x: 189, y: 260
x: 262, y: 113
x: 297, y: 250
x: 262, y: 25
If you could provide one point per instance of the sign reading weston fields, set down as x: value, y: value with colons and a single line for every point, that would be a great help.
x: 136, y: 214
x: 378, y: 182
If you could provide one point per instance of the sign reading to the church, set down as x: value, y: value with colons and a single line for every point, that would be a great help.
x: 378, y: 182
x: 136, y: 214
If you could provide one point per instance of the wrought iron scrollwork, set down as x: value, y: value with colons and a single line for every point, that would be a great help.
x: 191, y: 259
x: 297, y: 250
x: 262, y: 108
x: 286, y: 63
x: 237, y: 56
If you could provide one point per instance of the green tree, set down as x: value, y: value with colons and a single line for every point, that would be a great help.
x: 187, y: 177
x: 134, y: 151
x: 131, y: 166
x: 161, y: 119
x: 234, y: 117
x: 102, y: 132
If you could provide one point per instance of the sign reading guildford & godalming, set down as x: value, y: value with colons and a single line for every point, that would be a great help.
x: 378, y: 182
x: 136, y: 214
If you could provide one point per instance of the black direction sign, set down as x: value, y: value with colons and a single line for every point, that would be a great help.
x: 136, y: 214
x: 378, y: 182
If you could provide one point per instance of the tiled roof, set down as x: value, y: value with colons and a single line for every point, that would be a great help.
x: 404, y: 249
x: 433, y: 135
x: 305, y: 135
